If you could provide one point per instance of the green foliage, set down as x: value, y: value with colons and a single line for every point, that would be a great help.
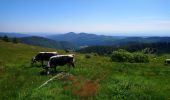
x: 140, y: 57
x: 116, y: 81
x: 100, y: 50
x: 15, y: 40
x: 44, y: 42
x: 125, y: 56
x: 5, y: 38
x: 94, y: 54
x: 87, y: 56
x: 121, y: 56
x: 146, y: 48
x: 147, y: 51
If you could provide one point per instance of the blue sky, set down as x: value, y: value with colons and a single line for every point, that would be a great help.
x: 115, y: 17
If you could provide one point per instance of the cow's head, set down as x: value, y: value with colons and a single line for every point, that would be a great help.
x: 33, y: 60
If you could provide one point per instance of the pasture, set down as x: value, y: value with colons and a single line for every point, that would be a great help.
x: 95, y: 77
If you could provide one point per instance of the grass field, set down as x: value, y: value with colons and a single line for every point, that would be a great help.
x: 93, y: 78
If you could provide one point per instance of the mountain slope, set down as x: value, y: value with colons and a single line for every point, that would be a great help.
x: 84, y: 39
x: 44, y: 42
x: 74, y: 40
x: 17, y: 35
x: 147, y: 39
x: 153, y: 47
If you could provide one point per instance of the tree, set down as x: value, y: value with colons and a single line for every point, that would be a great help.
x: 5, y: 38
x: 147, y: 51
x: 15, y: 40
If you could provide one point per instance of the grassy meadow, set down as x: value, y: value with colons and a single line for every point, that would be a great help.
x: 95, y: 77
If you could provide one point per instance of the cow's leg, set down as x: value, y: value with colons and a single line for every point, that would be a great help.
x: 47, y: 70
x: 72, y: 64
x: 55, y: 70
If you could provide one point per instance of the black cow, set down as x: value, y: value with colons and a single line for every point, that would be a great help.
x: 43, y: 56
x: 60, y: 60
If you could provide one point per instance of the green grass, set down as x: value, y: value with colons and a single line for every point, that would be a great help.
x: 131, y: 81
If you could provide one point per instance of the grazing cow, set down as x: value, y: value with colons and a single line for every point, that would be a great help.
x: 167, y: 61
x: 60, y: 60
x: 43, y: 56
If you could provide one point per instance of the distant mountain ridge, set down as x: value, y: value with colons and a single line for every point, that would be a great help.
x: 12, y: 34
x: 84, y: 39
x: 81, y: 40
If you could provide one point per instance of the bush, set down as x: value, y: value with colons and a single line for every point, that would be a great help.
x: 148, y: 51
x: 5, y: 38
x: 15, y: 40
x: 94, y: 54
x: 140, y: 57
x: 121, y: 56
x: 125, y: 56
x: 87, y: 56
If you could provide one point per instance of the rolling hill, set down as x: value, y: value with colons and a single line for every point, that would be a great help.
x: 11, y: 35
x: 154, y: 47
x: 45, y: 42
x: 84, y: 39
x: 81, y: 40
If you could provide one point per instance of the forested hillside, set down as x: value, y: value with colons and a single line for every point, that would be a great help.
x: 84, y: 39
x: 157, y: 48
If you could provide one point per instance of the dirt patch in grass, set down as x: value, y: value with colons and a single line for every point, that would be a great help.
x: 71, y: 78
x: 81, y: 86
x: 87, y: 88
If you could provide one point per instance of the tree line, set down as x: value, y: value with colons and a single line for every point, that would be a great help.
x: 7, y: 39
x: 157, y: 48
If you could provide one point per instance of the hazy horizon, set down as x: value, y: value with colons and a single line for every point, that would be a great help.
x: 106, y: 34
x: 102, y: 17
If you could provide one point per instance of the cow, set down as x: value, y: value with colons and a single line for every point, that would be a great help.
x: 42, y: 56
x: 60, y: 60
x: 167, y: 62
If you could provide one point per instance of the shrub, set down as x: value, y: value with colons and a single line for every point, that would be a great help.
x: 94, y: 54
x: 125, y: 56
x: 87, y: 56
x: 121, y: 56
x: 15, y: 40
x: 140, y: 57
x: 5, y: 38
x: 148, y: 51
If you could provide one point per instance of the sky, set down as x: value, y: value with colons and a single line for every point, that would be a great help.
x: 114, y: 17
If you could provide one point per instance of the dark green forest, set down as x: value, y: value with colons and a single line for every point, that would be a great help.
x: 157, y: 48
